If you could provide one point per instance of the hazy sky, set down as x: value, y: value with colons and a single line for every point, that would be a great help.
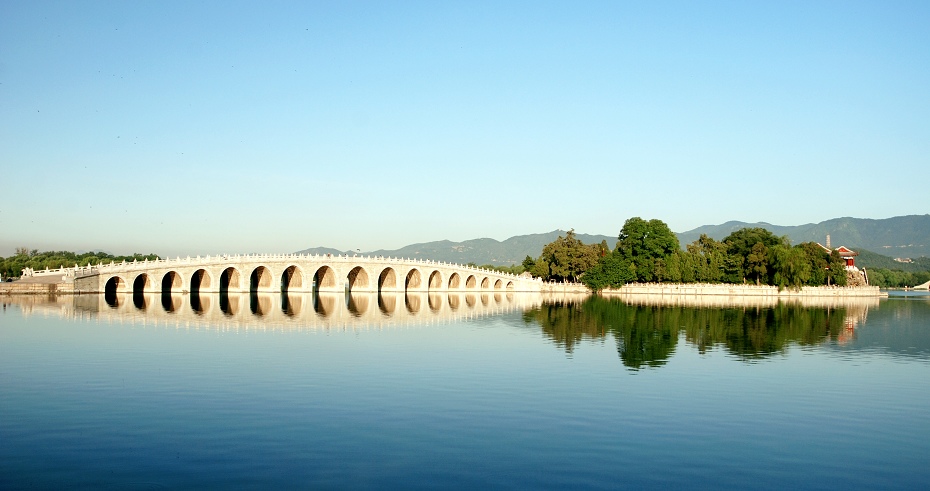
x: 213, y: 127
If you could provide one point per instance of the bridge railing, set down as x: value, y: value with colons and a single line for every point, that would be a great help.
x: 221, y: 258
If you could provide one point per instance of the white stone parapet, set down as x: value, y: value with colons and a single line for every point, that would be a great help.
x: 295, y: 273
x: 724, y: 289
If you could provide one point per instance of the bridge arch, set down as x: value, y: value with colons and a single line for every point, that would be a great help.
x: 387, y: 280
x: 115, y: 284
x: 229, y: 280
x: 200, y: 280
x: 260, y: 279
x: 455, y: 281
x: 435, y: 281
x: 141, y: 284
x: 509, y: 286
x: 413, y: 280
x: 485, y: 283
x: 358, y: 279
x: 471, y: 282
x: 292, y: 279
x: 170, y: 282
x: 498, y: 284
x: 324, y: 279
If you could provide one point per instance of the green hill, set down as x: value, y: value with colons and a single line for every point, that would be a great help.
x: 902, y: 237
x: 478, y: 251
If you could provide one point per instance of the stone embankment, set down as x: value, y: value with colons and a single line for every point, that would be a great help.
x: 37, y: 286
x: 565, y: 287
x: 743, y: 290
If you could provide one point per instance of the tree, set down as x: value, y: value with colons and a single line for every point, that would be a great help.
x: 791, y: 267
x: 756, y: 262
x: 708, y: 259
x: 740, y: 245
x: 612, y: 270
x: 819, y: 261
x: 566, y: 258
x: 837, y: 273
x: 643, y: 242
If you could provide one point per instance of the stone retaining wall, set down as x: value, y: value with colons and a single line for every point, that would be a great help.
x: 21, y: 288
x: 743, y: 290
x: 563, y: 288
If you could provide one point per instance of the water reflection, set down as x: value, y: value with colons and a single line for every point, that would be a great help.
x: 201, y: 304
x: 260, y: 304
x: 647, y: 330
x: 170, y: 301
x: 288, y: 309
x: 387, y: 302
x: 324, y: 304
x: 412, y: 302
x: 140, y: 300
x: 357, y: 303
x: 647, y: 333
x: 291, y: 304
x: 229, y: 305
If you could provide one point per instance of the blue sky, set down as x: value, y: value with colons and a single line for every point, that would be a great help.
x: 212, y: 127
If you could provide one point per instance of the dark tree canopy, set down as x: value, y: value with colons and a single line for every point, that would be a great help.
x: 25, y: 258
x: 564, y: 259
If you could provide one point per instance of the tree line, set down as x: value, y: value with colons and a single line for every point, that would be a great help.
x: 648, y: 251
x: 895, y: 278
x: 25, y: 258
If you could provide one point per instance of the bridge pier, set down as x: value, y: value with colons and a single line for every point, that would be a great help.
x: 274, y: 274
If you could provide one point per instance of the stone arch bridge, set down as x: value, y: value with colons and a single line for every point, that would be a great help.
x: 274, y: 273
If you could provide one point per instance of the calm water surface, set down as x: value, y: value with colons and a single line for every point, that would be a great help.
x: 463, y: 391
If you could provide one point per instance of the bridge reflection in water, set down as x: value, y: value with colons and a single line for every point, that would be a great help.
x: 317, y: 310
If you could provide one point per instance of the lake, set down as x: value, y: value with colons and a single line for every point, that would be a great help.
x: 463, y: 391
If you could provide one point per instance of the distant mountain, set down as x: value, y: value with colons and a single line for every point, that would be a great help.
x: 905, y: 236
x: 872, y: 260
x: 478, y: 251
x: 325, y: 250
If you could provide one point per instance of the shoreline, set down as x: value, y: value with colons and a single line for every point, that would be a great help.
x: 741, y: 290
x: 653, y: 289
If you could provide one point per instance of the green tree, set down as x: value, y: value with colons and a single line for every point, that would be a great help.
x: 708, y: 259
x: 837, y: 273
x: 757, y: 262
x: 790, y: 265
x: 643, y: 242
x: 565, y: 258
x: 740, y: 246
x: 611, y: 271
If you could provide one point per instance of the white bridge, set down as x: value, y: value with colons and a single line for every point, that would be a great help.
x: 283, y: 273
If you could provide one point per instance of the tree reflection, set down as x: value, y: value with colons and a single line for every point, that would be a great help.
x: 647, y: 335
x: 566, y: 323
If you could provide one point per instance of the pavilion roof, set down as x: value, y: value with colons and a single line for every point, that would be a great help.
x: 846, y: 252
